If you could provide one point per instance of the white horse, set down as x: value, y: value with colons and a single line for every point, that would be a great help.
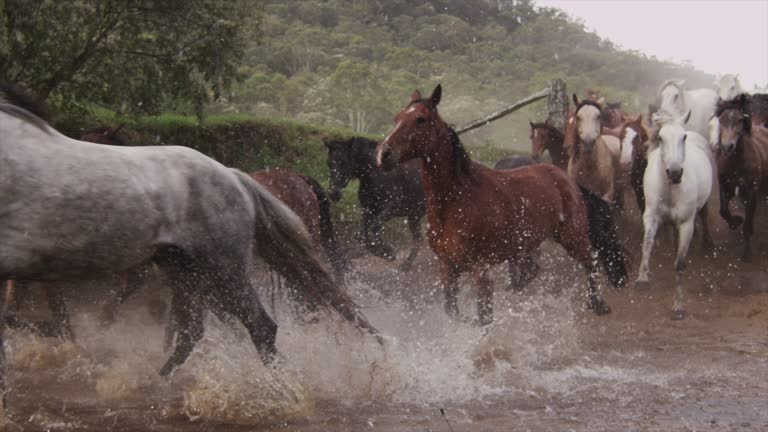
x: 72, y: 209
x: 674, y: 100
x: 728, y: 86
x: 677, y: 184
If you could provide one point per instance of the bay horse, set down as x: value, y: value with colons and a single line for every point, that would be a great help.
x: 729, y: 87
x: 742, y: 162
x: 479, y: 216
x: 545, y: 137
x: 677, y: 184
x: 73, y: 210
x: 525, y: 269
x: 382, y: 195
x: 592, y: 163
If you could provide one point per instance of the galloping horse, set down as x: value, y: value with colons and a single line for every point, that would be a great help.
x: 677, y: 184
x: 73, y: 210
x: 742, y: 162
x: 592, y: 163
x: 728, y: 87
x: 479, y: 216
x: 545, y: 137
x: 382, y: 195
x: 674, y: 100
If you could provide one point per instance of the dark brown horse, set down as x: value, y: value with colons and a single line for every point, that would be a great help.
x: 308, y: 200
x: 545, y: 137
x: 742, y: 162
x: 479, y: 216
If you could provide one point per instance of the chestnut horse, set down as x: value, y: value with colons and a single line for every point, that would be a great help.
x: 742, y: 162
x: 592, y: 163
x: 479, y: 216
x: 545, y: 137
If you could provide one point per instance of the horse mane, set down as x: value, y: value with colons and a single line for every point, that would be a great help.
x: 585, y: 102
x: 742, y: 103
x: 460, y: 160
x: 19, y: 103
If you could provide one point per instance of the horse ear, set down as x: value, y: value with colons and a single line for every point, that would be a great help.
x: 437, y: 93
x: 575, y: 99
x: 531, y: 123
x: 680, y: 83
x: 416, y: 95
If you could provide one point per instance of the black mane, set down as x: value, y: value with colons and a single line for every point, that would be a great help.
x: 460, y: 160
x: 18, y: 103
x: 585, y: 102
x: 741, y: 103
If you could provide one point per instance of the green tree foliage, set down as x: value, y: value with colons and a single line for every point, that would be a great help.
x: 129, y: 54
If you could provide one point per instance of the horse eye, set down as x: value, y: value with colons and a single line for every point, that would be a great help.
x: 420, y: 120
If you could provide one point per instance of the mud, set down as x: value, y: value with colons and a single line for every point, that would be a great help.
x: 545, y: 364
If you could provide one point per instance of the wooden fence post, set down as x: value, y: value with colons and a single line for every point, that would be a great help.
x: 557, y: 104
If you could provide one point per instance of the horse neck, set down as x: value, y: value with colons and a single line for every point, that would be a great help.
x: 557, y: 149
x: 439, y: 173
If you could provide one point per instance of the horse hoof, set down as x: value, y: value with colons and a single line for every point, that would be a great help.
x: 598, y: 306
x: 642, y: 285
x: 678, y: 314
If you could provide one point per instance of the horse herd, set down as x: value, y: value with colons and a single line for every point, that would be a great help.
x: 74, y: 209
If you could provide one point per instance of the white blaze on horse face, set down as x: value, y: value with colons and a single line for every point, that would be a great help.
x: 627, y: 145
x: 385, y: 143
x: 588, y: 123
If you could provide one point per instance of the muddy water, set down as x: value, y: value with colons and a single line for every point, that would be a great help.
x: 545, y: 364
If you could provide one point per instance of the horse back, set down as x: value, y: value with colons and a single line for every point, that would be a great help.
x: 291, y: 189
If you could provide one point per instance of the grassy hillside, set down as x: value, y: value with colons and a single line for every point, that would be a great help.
x: 354, y: 63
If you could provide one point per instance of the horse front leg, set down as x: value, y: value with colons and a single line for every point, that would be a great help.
x: 708, y: 245
x: 414, y: 225
x: 684, y: 235
x: 726, y: 193
x: 377, y: 246
x: 650, y: 226
x: 750, y: 204
x: 449, y: 277
x: 484, y: 295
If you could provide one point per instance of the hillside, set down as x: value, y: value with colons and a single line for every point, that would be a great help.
x: 353, y: 63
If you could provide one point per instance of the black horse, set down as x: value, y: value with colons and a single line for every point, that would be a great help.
x: 382, y: 195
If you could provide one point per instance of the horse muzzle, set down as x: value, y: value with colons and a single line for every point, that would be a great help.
x: 386, y: 159
x: 675, y: 176
x: 727, y: 148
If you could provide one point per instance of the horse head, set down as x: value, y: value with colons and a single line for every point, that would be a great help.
x: 588, y: 119
x: 540, y: 138
x: 341, y: 165
x: 634, y: 135
x: 735, y: 122
x: 728, y: 86
x: 670, y: 139
x: 671, y: 97
x: 413, y: 135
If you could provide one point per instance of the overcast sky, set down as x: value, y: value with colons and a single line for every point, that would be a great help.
x: 717, y: 36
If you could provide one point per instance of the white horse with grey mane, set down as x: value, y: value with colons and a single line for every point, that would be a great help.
x: 677, y: 184
x: 72, y: 210
x: 674, y: 100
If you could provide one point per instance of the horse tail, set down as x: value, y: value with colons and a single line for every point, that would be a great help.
x: 283, y: 242
x: 603, y: 237
x: 338, y: 258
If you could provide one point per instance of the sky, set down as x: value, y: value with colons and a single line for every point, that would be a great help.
x: 716, y: 36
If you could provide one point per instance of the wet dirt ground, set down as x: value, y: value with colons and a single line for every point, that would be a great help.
x: 545, y: 364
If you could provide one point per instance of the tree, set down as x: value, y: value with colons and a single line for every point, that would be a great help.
x: 357, y: 93
x: 134, y: 53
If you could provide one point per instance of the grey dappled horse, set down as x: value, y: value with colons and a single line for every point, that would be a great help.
x: 73, y: 210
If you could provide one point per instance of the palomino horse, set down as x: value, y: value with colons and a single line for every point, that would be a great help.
x: 592, y: 163
x: 674, y: 100
x: 742, y: 162
x: 545, y: 137
x: 73, y: 210
x: 677, y: 184
x: 382, y: 195
x: 479, y: 216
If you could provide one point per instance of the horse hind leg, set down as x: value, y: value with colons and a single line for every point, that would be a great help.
x: 684, y: 233
x: 188, y: 317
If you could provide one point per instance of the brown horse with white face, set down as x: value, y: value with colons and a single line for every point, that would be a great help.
x: 479, y: 216
x: 591, y: 163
